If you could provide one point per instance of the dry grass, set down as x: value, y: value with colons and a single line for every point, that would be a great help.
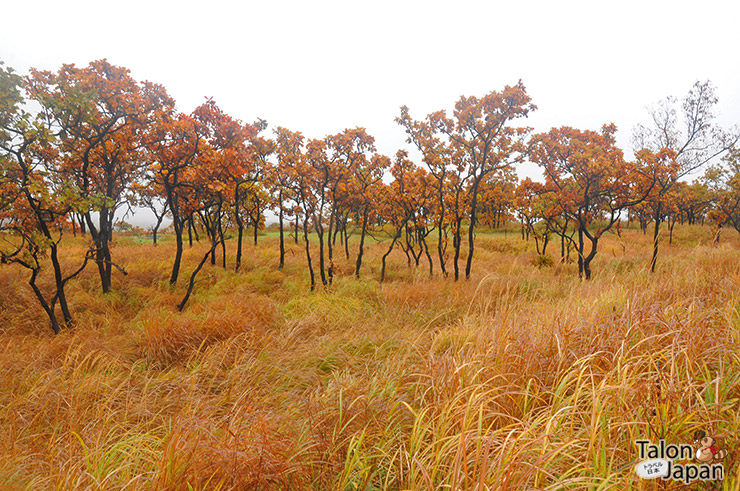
x: 522, y: 378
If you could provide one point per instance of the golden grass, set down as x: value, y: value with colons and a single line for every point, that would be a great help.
x: 522, y: 378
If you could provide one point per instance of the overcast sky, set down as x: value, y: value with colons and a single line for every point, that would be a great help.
x: 321, y: 67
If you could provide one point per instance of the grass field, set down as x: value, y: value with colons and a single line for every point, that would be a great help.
x: 521, y: 378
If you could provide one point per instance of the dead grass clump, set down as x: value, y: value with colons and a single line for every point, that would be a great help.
x: 168, y: 337
x: 248, y: 451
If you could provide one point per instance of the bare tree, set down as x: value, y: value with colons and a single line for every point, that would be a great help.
x: 688, y: 129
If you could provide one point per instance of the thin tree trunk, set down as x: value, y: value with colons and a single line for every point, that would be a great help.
x: 429, y: 256
x: 393, y: 243
x: 322, y: 264
x: 562, y: 248
x: 440, y: 228
x: 458, y: 240
x: 656, y: 232
x: 178, y: 224
x: 308, y: 252
x: 587, y: 260
x: 240, y: 229
x: 59, y: 281
x: 282, y: 239
x: 191, y: 283
x: 440, y: 248
x: 358, y: 265
x: 580, y: 252
x: 212, y: 235
x: 471, y: 229
x: 239, y: 241
x: 99, y: 239
x: 346, y: 240
x: 156, y: 228
x: 49, y: 309
x: 223, y: 242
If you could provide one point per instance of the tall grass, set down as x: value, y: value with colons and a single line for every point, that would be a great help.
x: 522, y: 378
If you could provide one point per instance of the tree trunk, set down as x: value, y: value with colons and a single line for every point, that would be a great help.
x: 49, y: 309
x: 457, y: 240
x: 656, y: 232
x: 282, y: 238
x: 156, y: 228
x: 440, y: 249
x: 429, y: 257
x: 59, y: 281
x: 587, y: 260
x: 322, y: 264
x: 471, y: 229
x: 545, y: 241
x: 178, y: 225
x: 239, y: 227
x: 223, y: 243
x: 191, y: 283
x: 308, y: 251
x: 358, y: 265
x: 337, y: 230
x: 346, y: 240
x: 580, y: 252
x: 102, y: 254
x: 393, y: 243
x: 562, y: 248
x: 239, y: 242
x: 331, y: 234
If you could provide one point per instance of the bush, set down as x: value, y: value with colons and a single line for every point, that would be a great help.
x: 543, y: 261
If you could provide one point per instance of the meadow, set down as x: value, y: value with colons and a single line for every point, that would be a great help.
x: 524, y: 377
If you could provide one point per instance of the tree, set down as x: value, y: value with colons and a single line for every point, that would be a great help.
x: 693, y: 138
x: 288, y: 149
x: 591, y: 180
x: 305, y: 166
x: 497, y: 197
x: 250, y: 195
x: 435, y: 155
x: 346, y: 160
x: 100, y: 114
x: 150, y: 195
x: 480, y: 130
x: 404, y: 203
x: 222, y: 155
x: 172, y: 143
x: 530, y: 207
x: 317, y: 176
x: 34, y: 203
x: 724, y: 184
x: 367, y: 175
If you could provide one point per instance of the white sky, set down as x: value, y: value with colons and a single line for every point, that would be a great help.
x: 320, y: 67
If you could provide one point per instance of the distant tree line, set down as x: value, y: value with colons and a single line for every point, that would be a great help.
x: 79, y: 144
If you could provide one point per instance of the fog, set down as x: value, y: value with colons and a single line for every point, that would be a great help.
x: 321, y: 67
